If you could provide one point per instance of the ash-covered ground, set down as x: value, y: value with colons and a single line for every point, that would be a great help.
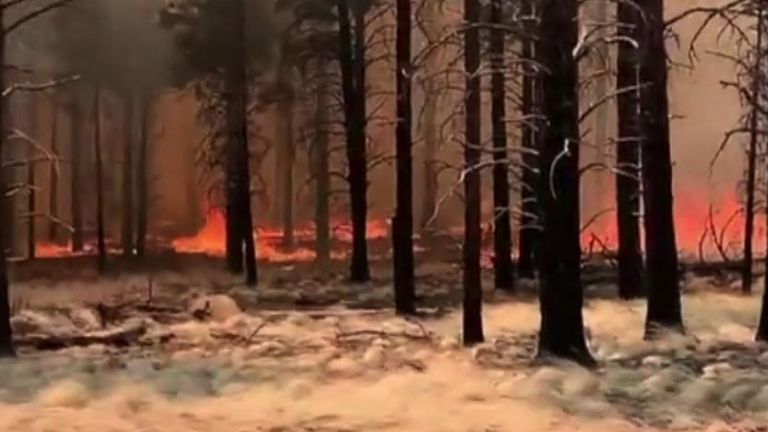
x: 191, y: 350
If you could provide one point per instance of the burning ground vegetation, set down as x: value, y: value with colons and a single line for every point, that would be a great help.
x: 193, y: 350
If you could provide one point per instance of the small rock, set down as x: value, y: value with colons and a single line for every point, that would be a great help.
x: 299, y: 319
x: 482, y: 350
x: 67, y: 394
x: 217, y: 308
x: 374, y: 356
x: 342, y: 365
x: 715, y: 370
x: 380, y: 342
x: 656, y: 361
x: 449, y: 343
x: 85, y: 319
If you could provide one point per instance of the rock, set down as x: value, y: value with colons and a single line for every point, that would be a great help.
x: 449, y: 343
x: 299, y: 319
x: 380, y: 342
x: 244, y: 296
x: 580, y: 384
x: 374, y: 356
x: 655, y: 361
x: 218, y: 308
x: 67, y: 394
x: 483, y: 350
x: 342, y: 365
x: 715, y: 370
x: 85, y: 319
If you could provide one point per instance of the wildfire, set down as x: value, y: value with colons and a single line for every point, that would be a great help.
x: 210, y: 240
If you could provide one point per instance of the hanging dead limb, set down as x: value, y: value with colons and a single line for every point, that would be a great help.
x: 40, y: 11
x: 39, y: 86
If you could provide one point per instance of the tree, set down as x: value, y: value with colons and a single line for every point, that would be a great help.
x: 53, y: 197
x: 32, y: 124
x: 502, y: 232
x: 352, y: 47
x: 127, y: 228
x: 221, y: 56
x: 142, y: 176
x: 402, y: 222
x: 628, y: 155
x: 526, y: 265
x: 664, y: 308
x: 76, y: 176
x: 8, y: 24
x: 99, y: 179
x: 472, y: 282
x: 560, y: 292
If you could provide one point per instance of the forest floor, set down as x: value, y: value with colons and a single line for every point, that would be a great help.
x: 305, y: 352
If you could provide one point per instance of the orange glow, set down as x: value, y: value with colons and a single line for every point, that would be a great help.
x: 53, y: 250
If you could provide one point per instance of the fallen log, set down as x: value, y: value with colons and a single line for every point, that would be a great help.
x: 118, y: 337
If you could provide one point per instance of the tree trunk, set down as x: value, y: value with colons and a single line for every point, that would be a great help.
x: 32, y: 196
x: 430, y: 14
x: 628, y: 158
x: 353, y: 83
x: 6, y: 334
x: 76, y: 156
x: 241, y: 250
x: 560, y: 293
x: 142, y: 179
x: 526, y: 265
x: 749, y: 220
x: 322, y: 171
x: 502, y: 232
x: 289, y: 158
x: 100, y: 233
x: 402, y: 223
x: 664, y: 308
x: 53, y: 198
x: 473, y: 290
x: 127, y: 210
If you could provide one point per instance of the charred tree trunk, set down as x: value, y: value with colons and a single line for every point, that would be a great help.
x: 430, y: 14
x: 76, y: 156
x: 664, y: 308
x: 559, y: 257
x: 526, y: 265
x: 402, y: 223
x: 289, y: 159
x: 322, y: 171
x: 749, y: 220
x: 241, y: 251
x: 32, y: 196
x: 6, y: 334
x: 628, y: 157
x: 502, y: 232
x: 142, y: 179
x: 353, y: 82
x: 53, y: 198
x: 100, y: 233
x: 127, y: 210
x: 472, y: 283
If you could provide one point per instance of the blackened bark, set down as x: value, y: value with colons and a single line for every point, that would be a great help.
x: 127, y: 186
x: 628, y: 158
x: 6, y: 334
x: 472, y: 283
x: 353, y: 83
x: 32, y: 196
x: 289, y: 158
x: 402, y: 223
x: 430, y: 15
x: 749, y: 220
x: 664, y: 308
x: 53, y: 172
x: 322, y: 171
x: 526, y: 265
x: 100, y: 240
x: 142, y: 179
x: 76, y: 155
x: 502, y: 232
x: 239, y: 216
x: 559, y: 257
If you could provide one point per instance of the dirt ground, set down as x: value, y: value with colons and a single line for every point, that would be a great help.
x: 306, y: 352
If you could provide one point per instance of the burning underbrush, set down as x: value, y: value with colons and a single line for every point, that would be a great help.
x: 187, y: 354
